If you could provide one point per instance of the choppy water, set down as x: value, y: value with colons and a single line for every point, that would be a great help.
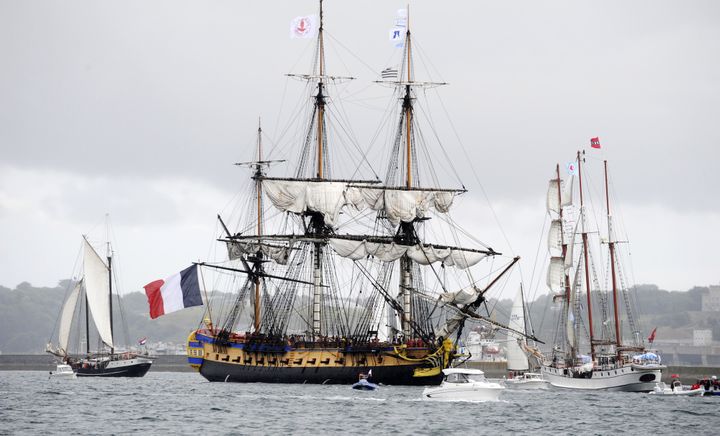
x: 184, y: 403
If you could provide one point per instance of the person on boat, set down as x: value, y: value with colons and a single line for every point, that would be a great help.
x: 676, y: 385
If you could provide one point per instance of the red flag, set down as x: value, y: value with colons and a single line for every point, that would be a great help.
x: 595, y: 142
x: 651, y: 338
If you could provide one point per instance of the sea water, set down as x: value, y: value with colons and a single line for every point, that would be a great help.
x: 184, y: 403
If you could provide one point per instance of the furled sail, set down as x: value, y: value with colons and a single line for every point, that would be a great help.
x: 66, y: 318
x: 406, y: 205
x: 422, y: 254
x: 328, y: 198
x: 278, y: 253
x: 556, y: 274
x: 516, y: 358
x: 462, y: 297
x: 97, y: 289
x: 299, y: 196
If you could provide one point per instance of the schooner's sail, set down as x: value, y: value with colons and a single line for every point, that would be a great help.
x: 516, y: 358
x: 97, y: 285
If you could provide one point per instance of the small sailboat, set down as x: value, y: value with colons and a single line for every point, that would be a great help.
x: 462, y: 384
x: 93, y: 292
x: 517, y: 351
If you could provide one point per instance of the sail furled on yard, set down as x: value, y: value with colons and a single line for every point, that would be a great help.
x: 328, y: 198
x: 555, y: 199
x: 422, y: 254
x: 278, y: 253
x: 66, y: 317
x: 97, y: 290
x: 516, y: 358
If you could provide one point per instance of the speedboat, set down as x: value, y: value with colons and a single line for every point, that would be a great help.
x: 63, y: 371
x: 461, y: 384
x: 363, y: 384
x: 678, y: 389
x: 529, y: 380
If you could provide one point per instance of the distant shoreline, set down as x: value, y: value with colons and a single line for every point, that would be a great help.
x: 45, y: 362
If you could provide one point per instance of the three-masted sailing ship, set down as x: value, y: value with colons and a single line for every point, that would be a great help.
x: 325, y: 304
x: 88, y: 308
x: 611, y: 362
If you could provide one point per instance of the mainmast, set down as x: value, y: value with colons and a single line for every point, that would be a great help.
x: 585, y: 257
x: 611, y: 244
x: 407, y: 230
x: 258, y: 192
x: 316, y: 221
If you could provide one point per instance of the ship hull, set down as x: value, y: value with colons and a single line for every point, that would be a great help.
x: 241, y: 363
x: 134, y: 367
x: 388, y: 375
x: 629, y: 378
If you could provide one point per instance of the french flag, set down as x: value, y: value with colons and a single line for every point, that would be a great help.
x: 176, y: 292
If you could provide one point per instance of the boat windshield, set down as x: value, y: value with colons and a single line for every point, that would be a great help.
x: 457, y: 378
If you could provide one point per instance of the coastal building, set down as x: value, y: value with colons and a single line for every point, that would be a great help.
x: 702, y: 338
x: 711, y: 300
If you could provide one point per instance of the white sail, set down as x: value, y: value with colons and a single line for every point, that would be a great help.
x: 299, y: 196
x: 555, y: 237
x: 556, y: 274
x: 388, y: 252
x: 553, y: 197
x: 279, y: 254
x: 97, y: 290
x: 567, y: 191
x: 516, y: 358
x: 66, y: 318
x: 403, y: 205
x: 462, y: 297
x: 570, y: 320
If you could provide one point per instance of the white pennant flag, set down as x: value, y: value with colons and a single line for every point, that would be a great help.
x: 304, y: 27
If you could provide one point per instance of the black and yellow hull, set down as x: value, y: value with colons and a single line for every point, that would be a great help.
x: 418, y: 366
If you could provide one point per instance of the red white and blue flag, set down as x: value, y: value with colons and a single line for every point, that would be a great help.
x: 176, y: 292
x: 595, y: 142
x: 651, y: 338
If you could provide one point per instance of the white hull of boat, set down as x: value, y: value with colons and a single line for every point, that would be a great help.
x: 633, y: 378
x: 663, y: 389
x: 490, y: 392
x: 63, y: 372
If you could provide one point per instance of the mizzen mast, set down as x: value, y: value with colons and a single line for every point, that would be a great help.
x: 611, y: 245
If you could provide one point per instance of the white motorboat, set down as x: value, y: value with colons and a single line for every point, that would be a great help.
x: 529, y: 380
x: 461, y: 384
x: 63, y: 371
x: 663, y: 389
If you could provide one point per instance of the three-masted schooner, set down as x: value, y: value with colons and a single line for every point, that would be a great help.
x: 327, y: 305
x: 612, y: 363
x: 94, y: 293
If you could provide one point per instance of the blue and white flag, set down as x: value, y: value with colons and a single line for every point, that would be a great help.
x: 397, y: 33
x: 571, y: 168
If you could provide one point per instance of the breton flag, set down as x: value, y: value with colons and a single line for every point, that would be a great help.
x: 595, y: 142
x: 389, y: 73
x: 176, y: 292
x: 651, y: 338
x: 397, y: 33
x: 304, y: 27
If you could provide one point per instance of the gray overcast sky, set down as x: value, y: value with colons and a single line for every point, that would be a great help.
x: 139, y: 109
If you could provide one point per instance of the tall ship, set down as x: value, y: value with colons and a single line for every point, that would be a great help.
x: 87, y: 313
x: 589, y: 350
x: 332, y: 277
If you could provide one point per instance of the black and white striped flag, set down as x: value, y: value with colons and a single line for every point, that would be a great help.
x: 389, y: 73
